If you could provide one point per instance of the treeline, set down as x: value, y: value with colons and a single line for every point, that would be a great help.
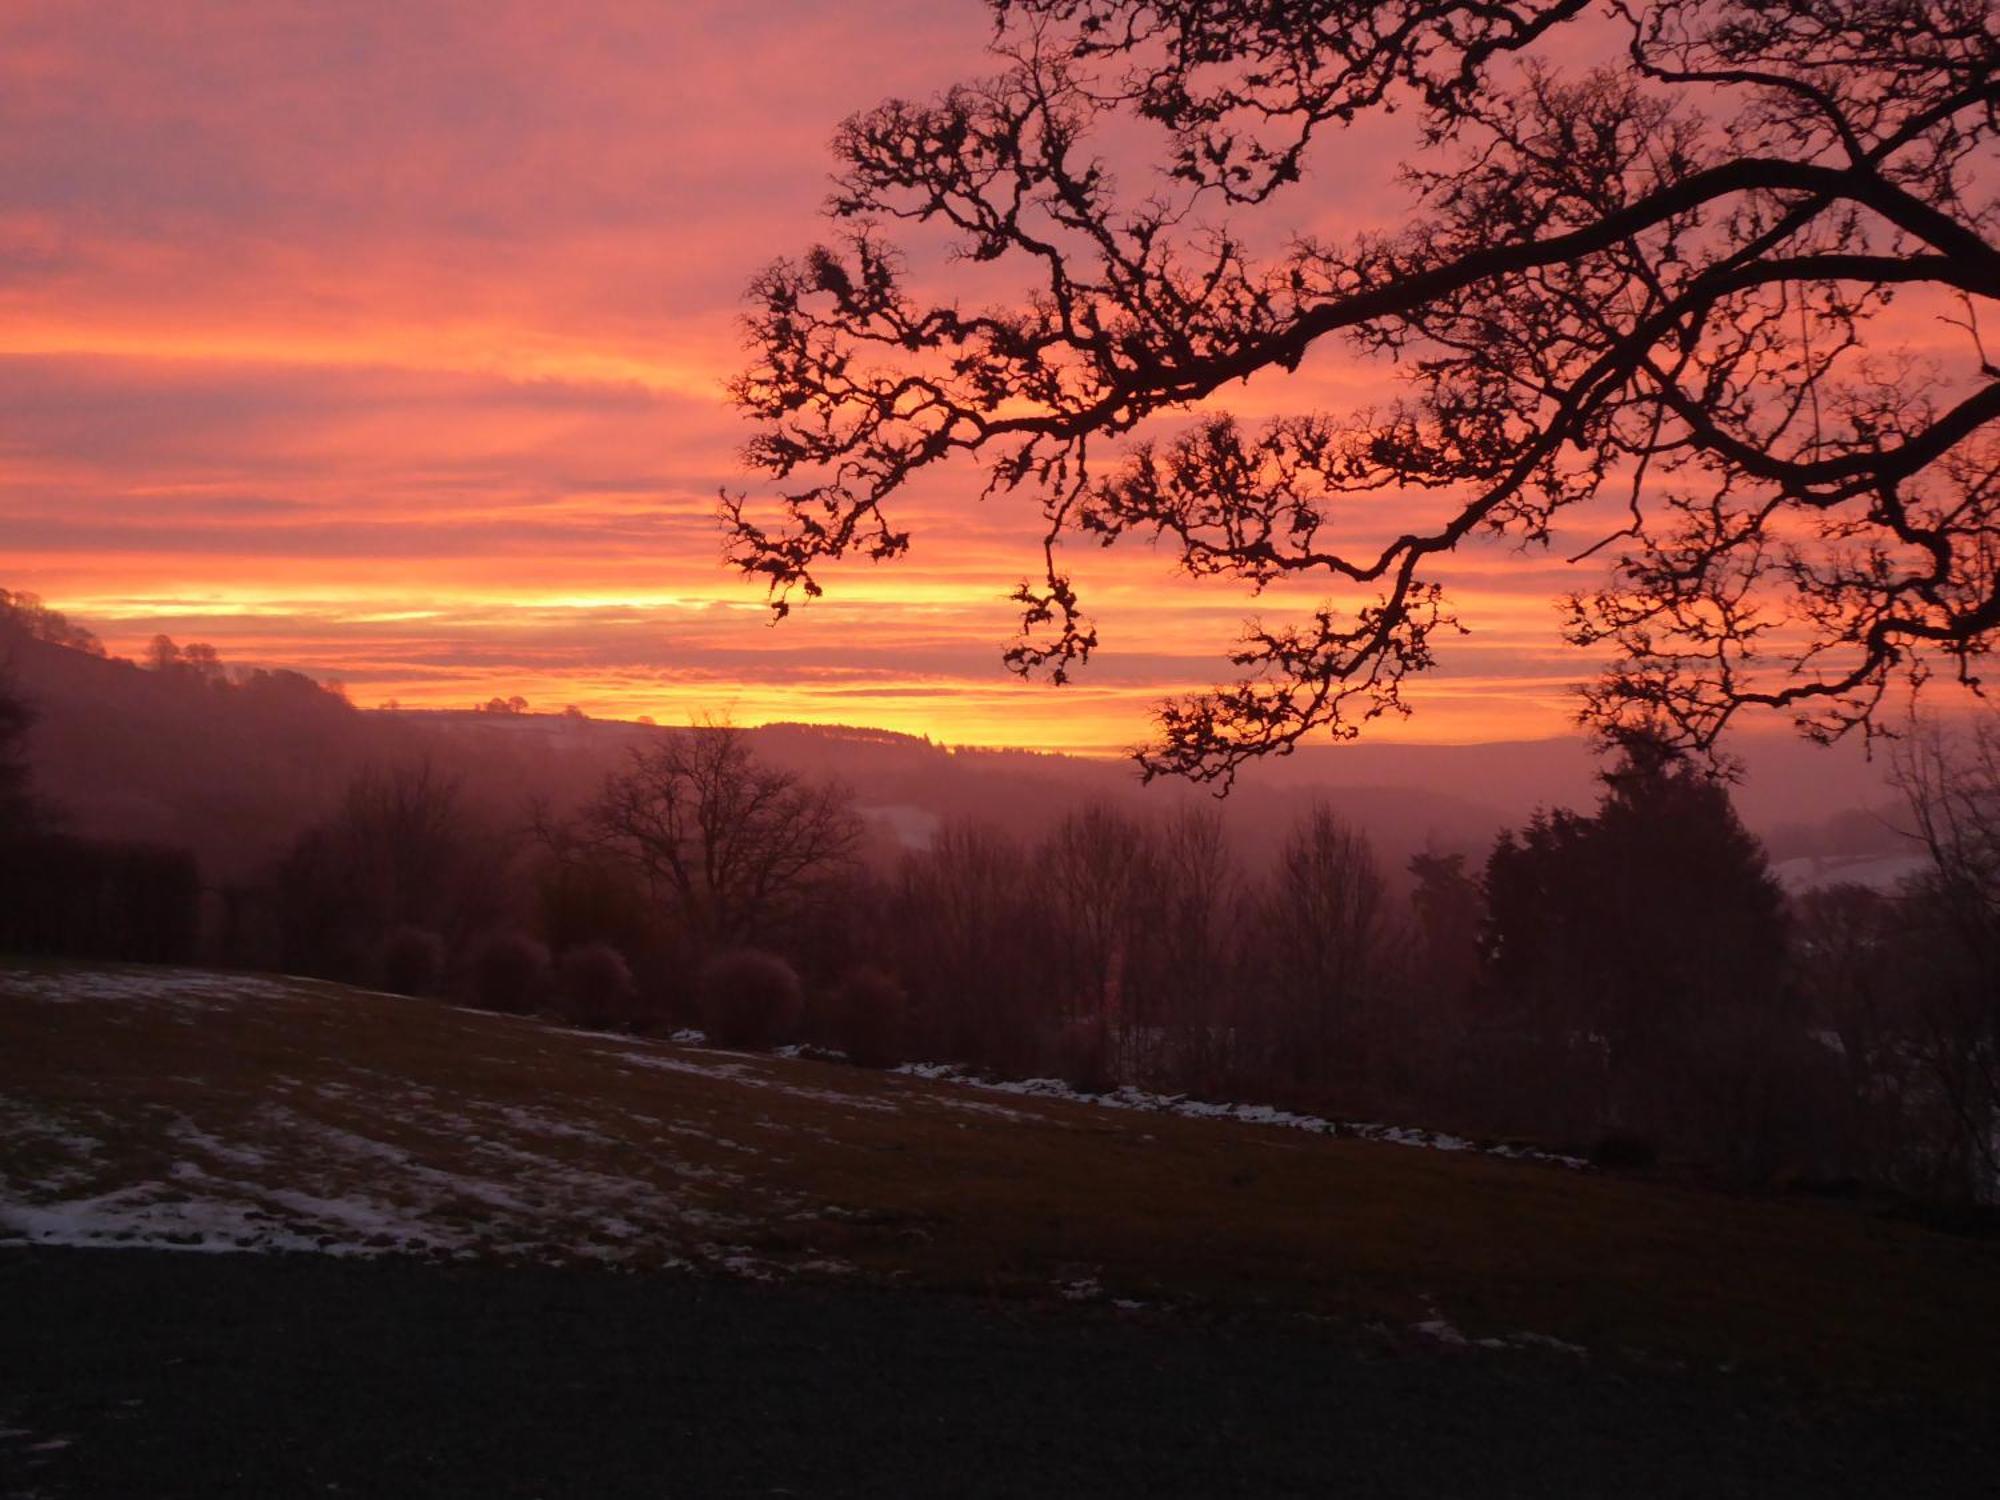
x: 1630, y: 982
x: 64, y: 895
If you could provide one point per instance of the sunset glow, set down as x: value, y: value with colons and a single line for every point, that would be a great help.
x: 389, y: 346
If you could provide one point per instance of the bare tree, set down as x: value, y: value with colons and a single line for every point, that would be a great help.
x: 1193, y: 945
x: 969, y: 933
x: 1326, y: 934
x: 1951, y: 785
x: 1098, y: 868
x: 403, y: 849
x: 1654, y: 287
x: 732, y: 845
x: 1850, y: 960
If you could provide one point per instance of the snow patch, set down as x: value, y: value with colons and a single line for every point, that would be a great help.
x: 191, y: 988
x: 1440, y: 1331
x: 1128, y: 1097
x: 736, y: 1072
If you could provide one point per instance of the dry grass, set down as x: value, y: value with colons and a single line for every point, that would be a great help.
x: 168, y: 1105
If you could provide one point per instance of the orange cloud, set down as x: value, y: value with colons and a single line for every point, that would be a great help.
x: 386, y: 342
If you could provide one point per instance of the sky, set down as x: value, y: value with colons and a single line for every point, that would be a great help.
x: 385, y: 340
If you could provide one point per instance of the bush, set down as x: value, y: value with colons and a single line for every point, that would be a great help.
x: 410, y: 961
x: 1621, y: 1151
x: 508, y: 971
x: 866, y: 1018
x: 1083, y: 1056
x: 749, y: 999
x: 594, y: 986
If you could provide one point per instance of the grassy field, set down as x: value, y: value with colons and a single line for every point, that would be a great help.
x: 225, y: 1112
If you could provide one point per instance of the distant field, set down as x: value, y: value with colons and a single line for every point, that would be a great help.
x: 223, y: 1112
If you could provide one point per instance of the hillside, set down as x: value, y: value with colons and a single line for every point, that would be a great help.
x: 226, y: 1112
x: 235, y: 773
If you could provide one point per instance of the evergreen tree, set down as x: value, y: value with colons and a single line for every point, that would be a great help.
x: 1645, y: 947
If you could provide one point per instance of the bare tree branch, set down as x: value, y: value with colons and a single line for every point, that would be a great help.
x: 1666, y: 279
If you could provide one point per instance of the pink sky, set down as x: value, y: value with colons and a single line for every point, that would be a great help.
x: 385, y: 340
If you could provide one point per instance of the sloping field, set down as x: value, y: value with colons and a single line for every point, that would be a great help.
x: 226, y: 1112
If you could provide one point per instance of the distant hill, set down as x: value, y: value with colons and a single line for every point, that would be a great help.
x: 235, y: 763
x: 229, y: 770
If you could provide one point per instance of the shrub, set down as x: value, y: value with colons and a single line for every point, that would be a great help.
x: 410, y: 961
x: 508, y: 971
x: 594, y: 986
x: 1621, y: 1151
x: 749, y: 998
x: 867, y: 1018
x: 1083, y: 1056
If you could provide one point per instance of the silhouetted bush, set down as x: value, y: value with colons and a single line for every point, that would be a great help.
x: 508, y: 972
x: 749, y: 998
x: 1083, y: 1056
x: 1621, y: 1151
x: 866, y: 1017
x: 410, y: 961
x: 594, y: 986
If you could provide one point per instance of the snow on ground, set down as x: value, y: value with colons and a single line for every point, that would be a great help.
x: 310, y: 1185
x: 318, y: 1151
x: 153, y: 1214
x: 30, y: 1450
x: 746, y: 1072
x: 321, y: 1153
x: 193, y: 989
x: 1442, y: 1332
x: 1130, y: 1098
x: 753, y: 1071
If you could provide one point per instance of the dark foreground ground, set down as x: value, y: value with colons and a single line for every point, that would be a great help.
x: 141, y: 1373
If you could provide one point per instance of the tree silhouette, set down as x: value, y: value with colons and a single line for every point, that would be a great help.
x: 970, y: 932
x: 1636, y: 309
x: 1326, y: 937
x: 402, y: 852
x: 195, y: 662
x: 732, y: 846
x: 20, y: 813
x: 25, y: 612
x: 1646, y: 946
x: 1951, y: 785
